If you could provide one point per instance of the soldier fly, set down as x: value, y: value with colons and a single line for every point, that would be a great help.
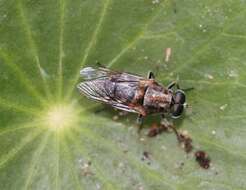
x: 132, y: 93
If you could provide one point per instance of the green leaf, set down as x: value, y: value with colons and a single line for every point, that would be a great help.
x: 52, y: 138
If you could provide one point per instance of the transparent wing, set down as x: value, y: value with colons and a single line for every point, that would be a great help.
x: 94, y: 89
x: 124, y: 108
x: 94, y: 85
x: 90, y: 73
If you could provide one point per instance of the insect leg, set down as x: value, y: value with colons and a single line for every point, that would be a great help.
x: 100, y: 65
x: 151, y: 75
x: 140, y: 122
x: 172, y: 84
x: 171, y: 126
x: 162, y: 116
x: 176, y: 132
x: 140, y: 119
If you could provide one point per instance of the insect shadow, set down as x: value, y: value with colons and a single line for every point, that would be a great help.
x: 127, y: 119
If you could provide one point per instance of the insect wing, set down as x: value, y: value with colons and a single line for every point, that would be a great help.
x: 95, y: 90
x: 95, y: 86
x: 90, y: 73
x: 124, y: 107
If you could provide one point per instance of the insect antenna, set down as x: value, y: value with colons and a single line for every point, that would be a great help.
x: 187, y: 89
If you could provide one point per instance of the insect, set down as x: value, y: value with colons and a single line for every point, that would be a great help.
x: 132, y: 93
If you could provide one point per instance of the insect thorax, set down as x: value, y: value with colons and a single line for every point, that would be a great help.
x: 157, y: 99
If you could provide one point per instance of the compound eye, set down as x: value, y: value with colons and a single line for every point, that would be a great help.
x: 177, y: 110
x: 180, y: 97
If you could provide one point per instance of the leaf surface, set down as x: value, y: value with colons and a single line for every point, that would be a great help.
x: 52, y: 138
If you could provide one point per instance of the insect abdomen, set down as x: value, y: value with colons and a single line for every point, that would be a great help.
x: 121, y: 91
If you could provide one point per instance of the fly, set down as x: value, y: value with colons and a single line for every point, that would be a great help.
x: 132, y: 93
x: 144, y: 96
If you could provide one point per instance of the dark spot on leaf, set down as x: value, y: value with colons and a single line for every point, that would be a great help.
x: 146, y: 155
x: 156, y: 130
x: 186, y: 142
x: 202, y: 159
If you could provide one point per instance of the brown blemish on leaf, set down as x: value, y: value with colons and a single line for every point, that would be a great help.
x: 185, y: 141
x: 157, y: 129
x: 203, y: 159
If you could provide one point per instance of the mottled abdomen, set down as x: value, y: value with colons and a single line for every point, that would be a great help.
x: 123, y: 92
